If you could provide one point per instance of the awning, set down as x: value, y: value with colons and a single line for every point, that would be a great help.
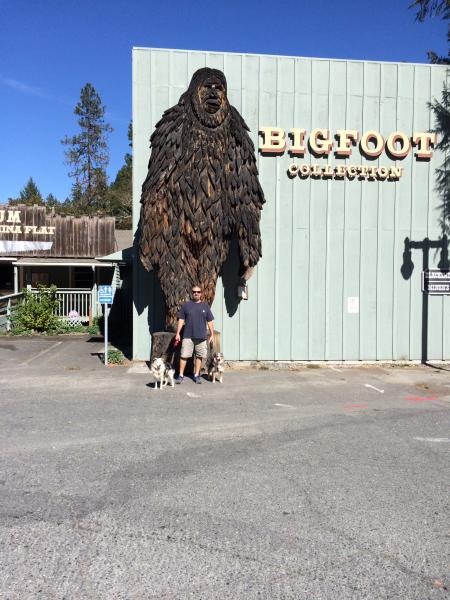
x: 60, y: 262
x: 124, y: 256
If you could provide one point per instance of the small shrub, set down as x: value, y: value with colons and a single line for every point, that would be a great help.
x: 37, y: 311
x: 62, y: 326
x: 116, y: 357
x: 94, y: 329
x: 17, y: 329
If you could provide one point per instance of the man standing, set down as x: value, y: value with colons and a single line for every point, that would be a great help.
x: 195, y: 315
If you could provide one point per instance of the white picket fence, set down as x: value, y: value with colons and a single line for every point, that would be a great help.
x: 80, y: 301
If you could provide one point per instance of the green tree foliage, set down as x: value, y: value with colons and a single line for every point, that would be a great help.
x: 37, y: 311
x: 29, y: 195
x: 88, y: 155
x: 441, y: 108
x: 441, y: 111
x: 120, y: 192
x: 434, y: 8
x: 51, y: 201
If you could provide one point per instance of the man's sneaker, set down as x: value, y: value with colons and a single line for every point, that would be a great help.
x: 197, y: 379
x: 179, y: 378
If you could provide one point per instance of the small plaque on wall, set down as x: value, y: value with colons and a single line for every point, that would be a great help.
x: 353, y: 305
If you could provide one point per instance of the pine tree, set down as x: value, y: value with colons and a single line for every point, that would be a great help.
x: 441, y: 111
x: 51, y: 201
x: 88, y: 153
x: 121, y: 190
x: 434, y: 8
x: 29, y: 195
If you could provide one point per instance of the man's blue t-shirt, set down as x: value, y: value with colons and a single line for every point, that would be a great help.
x: 195, y: 315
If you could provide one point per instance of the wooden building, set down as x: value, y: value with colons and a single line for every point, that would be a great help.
x: 40, y: 247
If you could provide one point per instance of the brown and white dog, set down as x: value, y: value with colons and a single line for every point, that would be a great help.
x: 163, y: 373
x: 217, y: 367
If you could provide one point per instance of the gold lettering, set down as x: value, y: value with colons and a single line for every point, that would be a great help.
x: 320, y: 142
x: 328, y: 171
x: 305, y: 170
x: 395, y: 172
x: 316, y: 171
x: 2, y: 216
x: 292, y: 170
x: 391, y: 142
x: 372, y: 172
x: 382, y: 172
x: 423, y: 141
x: 379, y: 143
x: 274, y: 140
x: 351, y: 171
x: 51, y: 230
x: 346, y: 138
x: 298, y: 137
x: 363, y: 171
x: 340, y: 171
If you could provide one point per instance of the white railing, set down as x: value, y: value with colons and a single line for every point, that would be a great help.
x: 82, y: 301
x: 7, y: 305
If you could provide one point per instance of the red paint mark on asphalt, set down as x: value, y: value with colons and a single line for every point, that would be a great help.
x: 420, y: 398
x: 348, y: 406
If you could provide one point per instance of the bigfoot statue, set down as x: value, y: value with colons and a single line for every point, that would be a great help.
x: 201, y: 188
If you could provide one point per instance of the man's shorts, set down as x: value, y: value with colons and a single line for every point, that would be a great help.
x: 188, y: 345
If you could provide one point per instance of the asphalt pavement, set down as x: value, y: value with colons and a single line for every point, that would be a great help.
x: 319, y: 483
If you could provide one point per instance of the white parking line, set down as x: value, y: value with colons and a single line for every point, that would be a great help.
x: 283, y: 405
x: 438, y: 440
x: 372, y: 387
x: 42, y: 352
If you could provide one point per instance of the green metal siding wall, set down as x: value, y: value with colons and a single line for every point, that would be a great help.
x: 323, y: 240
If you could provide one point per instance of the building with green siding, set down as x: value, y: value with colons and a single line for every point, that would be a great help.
x: 336, y: 280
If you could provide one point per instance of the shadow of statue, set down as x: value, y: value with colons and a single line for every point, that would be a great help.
x: 147, y: 292
x: 231, y: 274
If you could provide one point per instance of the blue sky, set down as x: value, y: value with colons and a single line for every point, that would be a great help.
x: 50, y: 49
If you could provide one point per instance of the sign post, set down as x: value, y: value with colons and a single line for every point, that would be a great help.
x: 105, y: 296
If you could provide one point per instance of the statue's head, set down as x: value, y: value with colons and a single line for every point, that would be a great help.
x: 208, y: 95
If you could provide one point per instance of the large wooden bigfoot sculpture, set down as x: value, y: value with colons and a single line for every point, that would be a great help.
x: 201, y: 188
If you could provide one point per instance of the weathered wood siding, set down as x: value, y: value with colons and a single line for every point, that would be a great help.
x: 76, y: 237
x: 323, y: 241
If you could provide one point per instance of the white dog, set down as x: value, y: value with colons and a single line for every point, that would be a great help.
x: 217, y: 367
x: 162, y: 372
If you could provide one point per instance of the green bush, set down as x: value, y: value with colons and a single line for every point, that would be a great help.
x: 61, y: 326
x: 37, y: 311
x: 94, y: 329
x: 17, y: 329
x: 116, y: 357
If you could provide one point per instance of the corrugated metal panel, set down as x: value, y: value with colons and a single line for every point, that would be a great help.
x: 323, y: 240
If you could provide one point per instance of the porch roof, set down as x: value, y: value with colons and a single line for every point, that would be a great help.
x: 60, y: 262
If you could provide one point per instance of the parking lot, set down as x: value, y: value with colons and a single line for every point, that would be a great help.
x: 324, y: 482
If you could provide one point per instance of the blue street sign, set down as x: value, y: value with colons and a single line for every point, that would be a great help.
x: 105, y: 294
